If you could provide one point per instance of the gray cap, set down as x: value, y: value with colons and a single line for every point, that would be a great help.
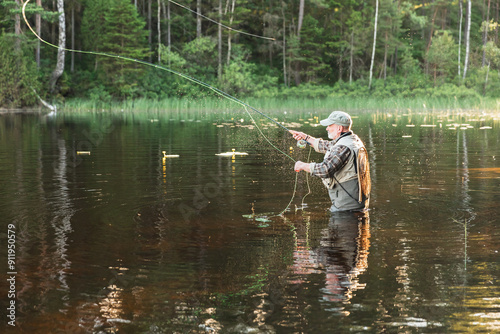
x: 339, y: 118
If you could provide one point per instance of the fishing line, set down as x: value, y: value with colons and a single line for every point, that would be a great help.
x: 270, y: 143
x: 222, y: 25
x: 265, y: 137
x: 184, y: 76
x: 307, y: 181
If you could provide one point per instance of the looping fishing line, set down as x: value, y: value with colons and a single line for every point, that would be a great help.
x: 222, y: 25
x: 184, y: 76
x: 307, y: 180
x: 296, y: 174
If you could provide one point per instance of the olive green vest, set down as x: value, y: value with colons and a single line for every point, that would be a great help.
x: 347, y: 195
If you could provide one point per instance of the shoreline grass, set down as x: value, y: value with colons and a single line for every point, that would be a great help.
x: 291, y: 104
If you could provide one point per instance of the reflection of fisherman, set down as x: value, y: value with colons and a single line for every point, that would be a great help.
x: 340, y: 251
x: 344, y: 252
x: 345, y: 170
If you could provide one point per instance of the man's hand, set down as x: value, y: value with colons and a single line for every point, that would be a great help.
x: 299, y: 165
x: 298, y: 135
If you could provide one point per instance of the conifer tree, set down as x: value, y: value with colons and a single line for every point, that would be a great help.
x: 93, y: 26
x: 123, y: 35
x: 312, y: 49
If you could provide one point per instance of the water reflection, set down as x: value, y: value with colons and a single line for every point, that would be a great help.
x: 463, y: 181
x: 340, y: 253
x: 104, y: 245
x: 63, y: 212
x: 112, y: 304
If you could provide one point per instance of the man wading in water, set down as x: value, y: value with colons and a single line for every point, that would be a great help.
x: 345, y: 170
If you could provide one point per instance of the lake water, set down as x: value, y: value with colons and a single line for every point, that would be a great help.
x: 111, y: 237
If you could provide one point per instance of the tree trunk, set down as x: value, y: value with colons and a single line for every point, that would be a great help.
x: 53, y: 26
x: 169, y: 38
x: 460, y: 12
x: 486, y: 79
x: 229, y: 36
x: 374, y: 45
x: 38, y: 29
x: 341, y: 62
x: 485, y: 33
x: 198, y: 18
x: 432, y: 29
x: 159, y: 31
x: 299, y: 27
x: 219, y: 39
x: 17, y: 26
x: 430, y: 39
x: 301, y: 17
x: 435, y: 75
x: 386, y: 49
x: 443, y: 19
x: 61, y: 47
x: 284, y: 45
x: 72, y: 66
x: 467, y: 39
x: 150, y: 31
x: 396, y: 61
x: 496, y: 20
x: 351, y: 60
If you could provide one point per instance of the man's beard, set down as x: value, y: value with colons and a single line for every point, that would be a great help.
x: 331, y: 135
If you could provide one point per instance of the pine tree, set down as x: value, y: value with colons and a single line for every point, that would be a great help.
x: 312, y: 50
x: 124, y: 35
x: 93, y: 26
x: 441, y: 56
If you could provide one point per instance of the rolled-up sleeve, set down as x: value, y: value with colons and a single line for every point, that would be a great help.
x: 333, y: 162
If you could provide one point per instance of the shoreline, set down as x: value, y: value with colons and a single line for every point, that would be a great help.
x: 274, y: 104
x: 30, y: 110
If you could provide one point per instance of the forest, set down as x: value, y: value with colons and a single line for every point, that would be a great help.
x: 248, y: 48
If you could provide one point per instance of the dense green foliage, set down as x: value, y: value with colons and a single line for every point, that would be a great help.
x: 420, y: 49
x: 18, y: 75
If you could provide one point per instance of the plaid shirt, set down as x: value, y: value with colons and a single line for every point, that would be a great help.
x: 335, y: 158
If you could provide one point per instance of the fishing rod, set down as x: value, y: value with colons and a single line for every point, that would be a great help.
x: 300, y: 144
x: 182, y: 75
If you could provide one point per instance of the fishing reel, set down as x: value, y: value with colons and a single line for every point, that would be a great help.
x: 302, y: 143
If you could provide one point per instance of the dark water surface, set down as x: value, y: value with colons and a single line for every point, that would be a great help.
x: 110, y: 237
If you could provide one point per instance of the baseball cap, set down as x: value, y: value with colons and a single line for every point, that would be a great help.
x: 337, y: 117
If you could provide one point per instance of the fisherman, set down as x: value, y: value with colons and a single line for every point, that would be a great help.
x: 345, y: 170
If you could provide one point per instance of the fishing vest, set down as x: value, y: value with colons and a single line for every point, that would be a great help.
x: 356, y: 168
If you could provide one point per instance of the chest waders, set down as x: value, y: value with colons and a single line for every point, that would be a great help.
x: 349, y: 188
